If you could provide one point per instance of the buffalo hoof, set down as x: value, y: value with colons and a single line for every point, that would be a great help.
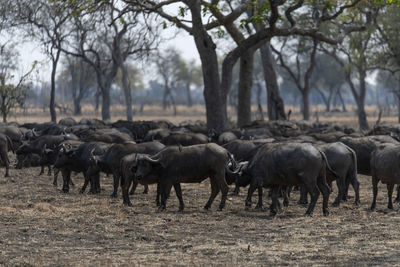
x: 390, y: 206
x: 180, y: 209
x: 82, y: 191
x: 308, y: 214
x: 326, y: 212
x: 302, y: 202
x: 6, y: 175
x: 221, y: 207
x: 128, y: 204
x: 145, y: 192
x: 272, y: 213
x: 259, y: 208
x: 357, y: 203
x: 206, y: 207
x: 336, y: 203
x: 65, y: 190
x: 397, y: 199
x: 114, y: 195
x: 161, y: 208
x: 131, y: 193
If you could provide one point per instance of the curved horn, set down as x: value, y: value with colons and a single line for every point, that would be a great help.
x: 152, y: 160
x: 34, y: 132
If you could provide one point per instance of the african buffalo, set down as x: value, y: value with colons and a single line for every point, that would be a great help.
x: 343, y: 161
x: 77, y: 160
x: 191, y: 164
x: 287, y: 164
x: 385, y: 167
x: 110, y: 161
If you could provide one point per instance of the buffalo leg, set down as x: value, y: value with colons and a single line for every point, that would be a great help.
x: 286, y: 196
x: 314, y: 192
x: 260, y: 192
x: 66, y: 177
x: 374, y: 191
x: 341, y: 185
x: 125, y: 188
x: 158, y: 195
x: 133, y: 188
x: 398, y: 194
x: 236, y: 190
x: 356, y: 186
x: 224, y: 188
x: 303, y: 195
x: 178, y: 192
x: 214, y: 193
x: 41, y: 170
x: 275, y: 202
x: 252, y: 188
x: 165, y: 189
x: 323, y: 187
x: 116, y: 184
x: 4, y: 158
x: 146, y: 189
x: 49, y: 170
x: 56, y: 171
x: 390, y: 193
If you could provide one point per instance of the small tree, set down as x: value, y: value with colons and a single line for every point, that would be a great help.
x: 11, y: 95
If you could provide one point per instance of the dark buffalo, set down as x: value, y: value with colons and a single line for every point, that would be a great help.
x: 184, y: 139
x: 16, y: 134
x: 385, y: 167
x: 110, y: 162
x: 48, y: 156
x: 77, y: 160
x: 364, y: 146
x: 287, y: 164
x: 36, y: 146
x: 5, y: 146
x: 343, y: 161
x: 191, y: 164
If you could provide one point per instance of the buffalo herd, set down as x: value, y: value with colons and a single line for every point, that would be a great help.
x: 279, y: 155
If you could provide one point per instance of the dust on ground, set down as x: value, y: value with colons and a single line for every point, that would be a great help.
x: 40, y: 226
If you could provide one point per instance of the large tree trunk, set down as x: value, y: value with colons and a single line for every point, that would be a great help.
x: 245, y: 85
x: 77, y: 106
x: 127, y: 91
x: 53, y: 113
x: 362, y: 116
x: 276, y: 107
x: 189, y: 95
x: 342, y: 101
x: 105, y: 107
x: 214, y: 95
x: 306, y: 104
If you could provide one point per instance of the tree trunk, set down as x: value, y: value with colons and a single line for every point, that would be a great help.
x: 306, y: 104
x: 259, y: 102
x: 189, y: 95
x: 214, y: 96
x: 97, y: 100
x: 276, y: 108
x: 105, y: 107
x: 53, y: 113
x: 77, y: 106
x: 127, y: 91
x: 245, y: 86
x: 362, y: 116
x: 342, y: 101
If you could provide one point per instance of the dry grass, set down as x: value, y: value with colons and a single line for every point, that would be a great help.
x: 40, y: 226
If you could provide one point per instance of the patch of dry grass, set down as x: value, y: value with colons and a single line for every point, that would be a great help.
x: 42, y: 226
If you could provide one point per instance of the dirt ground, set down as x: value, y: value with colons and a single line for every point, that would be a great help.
x: 40, y: 226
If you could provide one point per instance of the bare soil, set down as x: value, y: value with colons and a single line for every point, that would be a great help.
x: 40, y: 226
